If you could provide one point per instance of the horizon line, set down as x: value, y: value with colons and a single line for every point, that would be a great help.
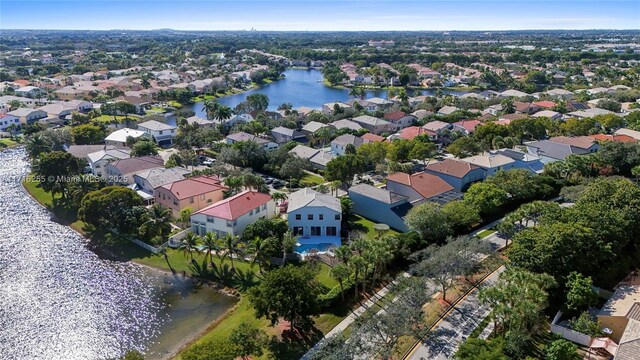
x: 326, y: 31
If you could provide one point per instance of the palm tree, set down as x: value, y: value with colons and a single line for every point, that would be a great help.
x: 209, y: 246
x: 358, y: 264
x: 289, y: 242
x: 335, y: 185
x: 259, y: 247
x: 158, y: 221
x: 251, y: 181
x: 340, y: 273
x: 189, y: 243
x: 403, y: 96
x: 232, y: 246
x: 222, y: 113
x: 234, y: 183
x: 322, y: 188
x: 344, y: 253
x: 279, y: 197
x: 210, y: 107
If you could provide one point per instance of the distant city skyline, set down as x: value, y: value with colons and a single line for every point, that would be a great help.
x: 347, y: 15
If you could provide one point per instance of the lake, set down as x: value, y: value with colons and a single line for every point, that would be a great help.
x: 59, y: 300
x: 302, y: 87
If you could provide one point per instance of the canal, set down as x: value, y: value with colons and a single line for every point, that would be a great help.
x: 59, y: 300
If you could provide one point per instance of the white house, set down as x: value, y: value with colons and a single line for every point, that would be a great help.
x: 314, y: 217
x: 119, y: 137
x: 234, y: 214
x: 268, y: 145
x: 162, y: 133
x: 7, y: 120
x: 29, y: 91
x: 28, y: 116
x: 97, y: 160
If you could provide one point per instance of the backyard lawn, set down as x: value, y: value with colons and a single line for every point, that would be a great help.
x: 366, y: 226
x: 8, y: 142
x: 312, y: 180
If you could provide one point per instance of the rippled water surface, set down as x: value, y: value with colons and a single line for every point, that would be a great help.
x: 59, y: 300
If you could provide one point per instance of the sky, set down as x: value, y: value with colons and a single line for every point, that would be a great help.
x: 317, y: 15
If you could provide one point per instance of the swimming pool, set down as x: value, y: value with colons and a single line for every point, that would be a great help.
x: 306, y: 248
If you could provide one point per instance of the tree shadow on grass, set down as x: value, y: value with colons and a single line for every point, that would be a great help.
x: 294, y: 344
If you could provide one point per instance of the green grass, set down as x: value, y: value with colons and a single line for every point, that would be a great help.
x: 366, y: 226
x: 175, y: 104
x: 312, y: 180
x: 109, y: 118
x: 486, y: 232
x: 8, y: 142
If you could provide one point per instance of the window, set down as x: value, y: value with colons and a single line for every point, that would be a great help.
x: 191, y: 200
x: 320, y: 217
x: 315, y: 231
x: 264, y: 207
x: 210, y: 219
x: 337, y: 216
x: 202, y: 197
x: 160, y: 132
x: 298, y: 230
x: 310, y: 217
x: 331, y: 231
x: 298, y: 217
x: 256, y: 210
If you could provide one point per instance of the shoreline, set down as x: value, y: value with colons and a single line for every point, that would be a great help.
x: 186, y: 341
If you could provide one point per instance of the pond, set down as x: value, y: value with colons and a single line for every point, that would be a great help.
x: 302, y: 87
x: 59, y: 300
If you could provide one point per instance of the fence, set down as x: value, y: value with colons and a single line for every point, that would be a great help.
x: 146, y: 246
x: 571, y: 335
x: 175, y: 239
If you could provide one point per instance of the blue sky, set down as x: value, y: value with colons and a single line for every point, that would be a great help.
x: 349, y: 15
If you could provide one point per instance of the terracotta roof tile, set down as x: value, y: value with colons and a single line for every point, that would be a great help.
x: 183, y: 189
x: 425, y: 184
x: 452, y: 167
x: 236, y: 206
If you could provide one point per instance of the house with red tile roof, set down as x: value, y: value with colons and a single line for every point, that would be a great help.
x: 421, y: 187
x: 412, y: 131
x: 525, y: 107
x: 234, y: 214
x: 122, y: 171
x: 545, y: 104
x: 459, y: 174
x: 614, y: 137
x: 400, y: 118
x: 369, y: 137
x: 195, y: 193
x: 466, y: 126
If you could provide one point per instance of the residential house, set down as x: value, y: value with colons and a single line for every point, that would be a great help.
x: 512, y: 117
x: 512, y: 93
x: 545, y: 104
x: 329, y: 108
x: 523, y: 160
x: 118, y: 138
x: 203, y: 123
x: 375, y: 125
x: 122, y: 171
x: 346, y: 124
x: 380, y: 205
x: 314, y: 217
x: 7, y: 120
x: 633, y: 133
x: 466, y: 127
x: 559, y: 147
x: 553, y: 115
x: 525, y: 107
x: 560, y: 93
x: 614, y: 137
x: 28, y: 116
x: 491, y: 163
x: 459, y: 174
x: 589, y: 113
x: 195, y: 193
x: 99, y: 159
x: 27, y: 102
x: 422, y: 187
x: 317, y: 158
x: 232, y: 215
x: 411, y: 132
x: 339, y: 144
x: 621, y: 311
x: 268, y: 145
x: 437, y: 128
x: 283, y: 135
x: 238, y: 118
x: 148, y: 180
x: 64, y: 108
x: 313, y: 127
x: 369, y: 137
x: 80, y: 152
x: 447, y: 110
x: 161, y: 133
x: 400, y: 119
x: 30, y: 92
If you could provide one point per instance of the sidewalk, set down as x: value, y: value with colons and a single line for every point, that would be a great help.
x: 455, y: 327
x: 354, y: 315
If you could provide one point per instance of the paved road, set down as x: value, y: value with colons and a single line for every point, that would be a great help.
x: 453, y: 330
